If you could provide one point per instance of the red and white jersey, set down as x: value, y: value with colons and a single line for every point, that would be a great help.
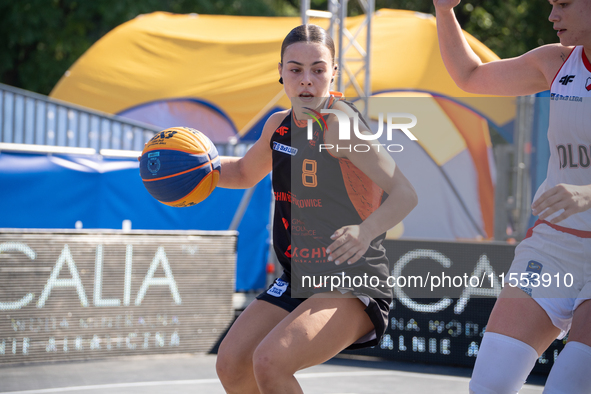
x: 569, y: 132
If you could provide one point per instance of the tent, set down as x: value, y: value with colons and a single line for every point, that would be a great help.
x: 219, y: 74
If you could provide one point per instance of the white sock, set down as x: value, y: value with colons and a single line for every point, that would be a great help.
x: 571, y: 372
x: 502, y: 365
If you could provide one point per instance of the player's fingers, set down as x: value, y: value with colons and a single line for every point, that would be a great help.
x: 542, y: 202
x: 550, y: 211
x: 356, y: 257
x: 562, y: 216
x: 335, y: 246
x: 343, y: 253
x: 552, y: 203
x: 338, y: 233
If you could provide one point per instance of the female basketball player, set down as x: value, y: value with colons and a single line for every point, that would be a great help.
x: 526, y: 319
x: 327, y: 216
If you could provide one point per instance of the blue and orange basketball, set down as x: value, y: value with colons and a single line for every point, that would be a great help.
x: 180, y: 166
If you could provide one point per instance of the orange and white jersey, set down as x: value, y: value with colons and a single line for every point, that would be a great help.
x: 569, y: 132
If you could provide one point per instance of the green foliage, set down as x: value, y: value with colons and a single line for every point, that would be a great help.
x: 508, y: 27
x: 41, y: 39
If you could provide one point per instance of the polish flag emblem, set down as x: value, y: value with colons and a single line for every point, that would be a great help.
x: 588, y: 84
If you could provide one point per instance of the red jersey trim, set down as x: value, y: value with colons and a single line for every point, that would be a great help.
x: 557, y: 72
x: 586, y: 60
x: 572, y: 231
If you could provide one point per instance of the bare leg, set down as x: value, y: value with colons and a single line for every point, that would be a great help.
x: 234, y: 361
x: 314, y: 332
x: 581, y: 328
x: 518, y: 316
x: 571, y: 372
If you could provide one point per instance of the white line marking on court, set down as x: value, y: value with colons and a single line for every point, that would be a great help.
x: 115, y: 385
x: 299, y: 375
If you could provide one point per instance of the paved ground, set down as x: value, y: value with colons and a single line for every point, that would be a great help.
x: 184, y: 374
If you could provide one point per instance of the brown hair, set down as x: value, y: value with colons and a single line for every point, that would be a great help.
x: 308, y: 33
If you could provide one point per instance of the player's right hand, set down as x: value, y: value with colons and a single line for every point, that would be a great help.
x: 445, y: 5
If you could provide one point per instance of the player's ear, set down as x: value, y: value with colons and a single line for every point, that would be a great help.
x: 280, y: 68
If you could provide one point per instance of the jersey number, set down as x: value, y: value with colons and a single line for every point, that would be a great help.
x: 309, y: 178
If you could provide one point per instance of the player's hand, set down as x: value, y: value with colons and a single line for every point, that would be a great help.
x: 349, y: 245
x: 445, y: 5
x: 572, y: 198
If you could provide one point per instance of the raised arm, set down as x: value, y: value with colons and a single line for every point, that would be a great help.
x: 527, y: 74
x: 245, y: 172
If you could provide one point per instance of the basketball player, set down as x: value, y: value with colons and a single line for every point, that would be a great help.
x: 332, y: 210
x: 527, y: 317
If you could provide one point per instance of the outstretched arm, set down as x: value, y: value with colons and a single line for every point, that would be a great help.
x: 527, y: 74
x: 245, y: 172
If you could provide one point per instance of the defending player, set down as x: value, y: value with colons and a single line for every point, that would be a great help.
x: 526, y: 319
x: 339, y: 221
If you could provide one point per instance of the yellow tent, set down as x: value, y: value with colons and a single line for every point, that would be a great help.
x: 226, y: 66
x: 219, y: 74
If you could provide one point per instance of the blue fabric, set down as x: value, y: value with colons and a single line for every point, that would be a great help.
x: 540, y: 150
x: 55, y: 191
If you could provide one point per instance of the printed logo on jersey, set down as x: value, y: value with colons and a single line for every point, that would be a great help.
x: 588, y: 84
x: 282, y: 130
x: 288, y: 252
x: 279, y: 287
x: 574, y: 157
x: 532, y: 276
x: 284, y: 148
x: 300, y: 203
x: 567, y: 79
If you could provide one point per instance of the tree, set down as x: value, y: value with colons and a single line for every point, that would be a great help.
x: 41, y: 39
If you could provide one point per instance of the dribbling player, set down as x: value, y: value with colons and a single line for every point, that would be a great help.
x: 332, y: 210
x: 528, y: 317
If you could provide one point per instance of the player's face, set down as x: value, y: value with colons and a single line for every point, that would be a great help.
x: 307, y: 70
x: 571, y: 20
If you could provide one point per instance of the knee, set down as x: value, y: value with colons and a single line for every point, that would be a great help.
x: 232, y: 366
x: 267, y: 368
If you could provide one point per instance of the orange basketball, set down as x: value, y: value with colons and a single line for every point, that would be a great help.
x: 180, y: 166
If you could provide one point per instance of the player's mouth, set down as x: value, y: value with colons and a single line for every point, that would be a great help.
x: 560, y: 32
x: 306, y: 96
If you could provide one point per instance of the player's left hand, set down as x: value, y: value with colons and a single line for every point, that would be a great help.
x: 349, y: 245
x: 572, y: 198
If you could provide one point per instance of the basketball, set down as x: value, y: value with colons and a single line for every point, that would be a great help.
x: 180, y: 166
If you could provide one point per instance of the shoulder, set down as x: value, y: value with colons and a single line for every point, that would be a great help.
x: 549, y: 58
x: 273, y: 122
x: 276, y: 119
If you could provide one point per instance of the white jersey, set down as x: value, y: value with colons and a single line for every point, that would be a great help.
x: 569, y: 132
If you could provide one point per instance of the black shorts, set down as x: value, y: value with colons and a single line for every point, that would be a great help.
x: 279, y: 293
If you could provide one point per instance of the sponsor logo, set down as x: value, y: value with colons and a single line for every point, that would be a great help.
x: 284, y: 149
x: 559, y: 97
x: 310, y: 253
x: 282, y: 130
x: 588, y: 84
x: 533, y: 267
x: 153, y: 162
x: 279, y: 287
x: 300, y: 203
x: 566, y: 79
